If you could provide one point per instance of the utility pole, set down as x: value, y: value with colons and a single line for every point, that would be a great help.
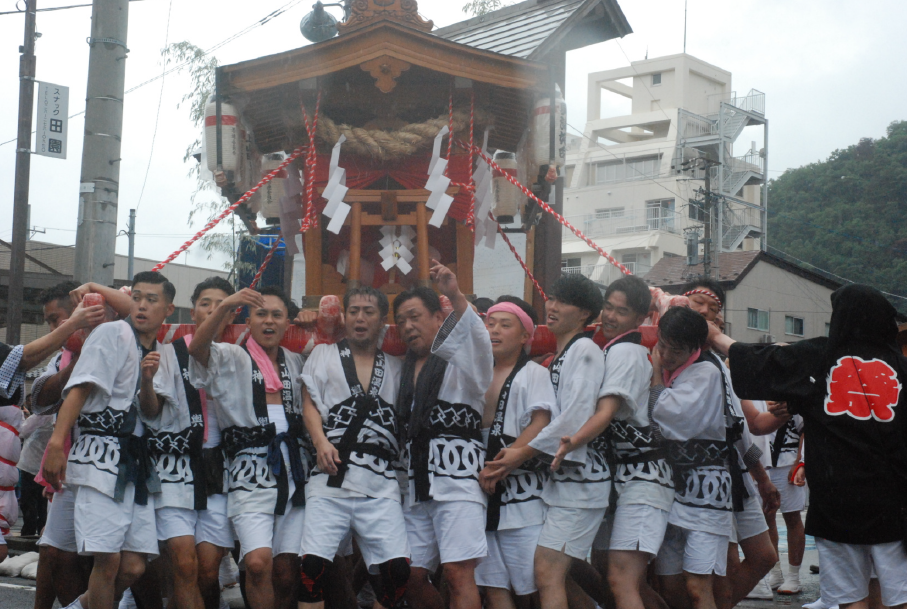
x: 707, y: 249
x: 131, y: 236
x: 99, y: 188
x: 23, y: 171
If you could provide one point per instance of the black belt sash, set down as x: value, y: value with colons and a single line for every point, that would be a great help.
x: 420, y: 398
x: 688, y: 455
x: 733, y: 433
x: 135, y: 463
x: 189, y: 440
x: 363, y: 404
x: 786, y: 438
x: 496, y: 442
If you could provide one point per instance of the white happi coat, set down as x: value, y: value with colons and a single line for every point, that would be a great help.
x: 252, y: 485
x: 110, y: 362
x: 584, y: 480
x: 693, y: 408
x: 628, y: 374
x: 521, y: 500
x: 455, y: 461
x: 367, y: 475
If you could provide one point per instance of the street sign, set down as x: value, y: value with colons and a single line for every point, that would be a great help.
x: 53, y: 113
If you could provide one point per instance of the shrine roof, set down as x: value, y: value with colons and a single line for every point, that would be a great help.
x: 533, y: 28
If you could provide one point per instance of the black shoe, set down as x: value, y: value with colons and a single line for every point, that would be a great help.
x: 813, y: 568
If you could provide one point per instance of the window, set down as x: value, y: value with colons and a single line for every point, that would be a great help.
x: 660, y: 214
x: 757, y: 320
x: 793, y: 325
x: 609, y: 212
x: 696, y: 211
x: 568, y: 175
x: 637, y: 263
x: 571, y: 263
x: 639, y: 168
x: 656, y: 79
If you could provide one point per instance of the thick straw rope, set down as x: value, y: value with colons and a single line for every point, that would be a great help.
x: 310, y: 215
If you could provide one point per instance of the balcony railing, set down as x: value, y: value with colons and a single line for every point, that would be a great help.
x: 654, y: 219
x: 604, y: 274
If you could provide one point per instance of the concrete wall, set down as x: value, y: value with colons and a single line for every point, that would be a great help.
x: 782, y: 293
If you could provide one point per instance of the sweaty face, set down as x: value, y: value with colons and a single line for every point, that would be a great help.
x: 364, y: 321
x: 207, y: 301
x: 704, y: 305
x: 672, y: 356
x: 617, y: 316
x: 508, y: 336
x: 149, y: 307
x: 269, y: 323
x: 55, y: 314
x: 417, y: 326
x: 563, y: 318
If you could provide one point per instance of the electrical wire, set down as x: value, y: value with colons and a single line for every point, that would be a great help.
x: 54, y: 8
x: 269, y: 17
x: 157, y: 117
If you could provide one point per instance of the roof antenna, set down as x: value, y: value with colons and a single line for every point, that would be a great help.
x: 647, y: 51
x: 684, y: 27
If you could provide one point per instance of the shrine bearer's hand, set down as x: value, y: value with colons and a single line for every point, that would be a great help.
x: 488, y: 480
x: 799, y: 477
x: 306, y: 318
x: 567, y: 446
x: 55, y: 465
x: 328, y: 457
x: 505, y: 462
x: 771, y: 498
x: 445, y: 279
x: 779, y: 409
x: 86, y: 317
x: 246, y: 296
x: 150, y: 365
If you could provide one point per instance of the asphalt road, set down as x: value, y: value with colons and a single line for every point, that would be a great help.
x: 17, y: 593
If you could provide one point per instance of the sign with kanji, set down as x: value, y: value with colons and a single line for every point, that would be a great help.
x: 53, y: 112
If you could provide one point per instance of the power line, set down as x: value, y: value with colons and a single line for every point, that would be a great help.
x: 830, y: 273
x: 54, y: 8
x: 157, y: 117
x: 270, y: 16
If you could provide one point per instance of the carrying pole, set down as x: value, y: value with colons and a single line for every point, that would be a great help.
x: 23, y: 171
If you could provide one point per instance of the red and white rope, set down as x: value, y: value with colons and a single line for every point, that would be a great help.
x: 310, y: 217
x: 471, y: 214
x: 264, y: 265
x: 522, y: 264
x: 548, y: 209
x: 270, y: 176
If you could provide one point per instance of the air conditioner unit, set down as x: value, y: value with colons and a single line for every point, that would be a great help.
x: 767, y: 339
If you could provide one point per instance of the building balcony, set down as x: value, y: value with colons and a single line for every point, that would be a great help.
x: 604, y: 274
x: 597, y: 226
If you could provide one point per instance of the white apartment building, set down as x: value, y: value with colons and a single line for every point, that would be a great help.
x: 634, y: 181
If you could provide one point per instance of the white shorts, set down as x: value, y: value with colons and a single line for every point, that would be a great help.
x: 207, y: 526
x: 689, y: 551
x: 750, y: 522
x: 104, y: 526
x: 846, y: 569
x: 440, y: 532
x: 634, y: 527
x: 280, y: 534
x: 377, y: 525
x: 571, y: 530
x: 793, y: 498
x: 60, y: 530
x: 511, y: 560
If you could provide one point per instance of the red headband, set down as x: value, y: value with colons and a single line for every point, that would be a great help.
x: 707, y: 293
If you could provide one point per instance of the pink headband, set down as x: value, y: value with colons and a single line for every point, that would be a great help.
x: 509, y: 307
x: 708, y: 293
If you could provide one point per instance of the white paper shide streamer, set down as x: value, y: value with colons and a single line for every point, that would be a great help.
x: 396, y: 248
x: 485, y: 226
x: 336, y: 190
x: 437, y: 184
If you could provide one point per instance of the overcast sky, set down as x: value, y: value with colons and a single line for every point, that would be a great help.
x: 829, y: 70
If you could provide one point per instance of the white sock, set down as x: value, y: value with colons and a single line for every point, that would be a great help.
x: 793, y: 574
x: 777, y: 568
x: 76, y: 604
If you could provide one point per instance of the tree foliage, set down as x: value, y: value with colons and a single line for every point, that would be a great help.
x: 477, y: 8
x: 206, y: 203
x: 848, y: 214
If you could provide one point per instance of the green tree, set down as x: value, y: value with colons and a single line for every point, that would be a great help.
x: 477, y: 8
x: 848, y: 214
x: 201, y: 68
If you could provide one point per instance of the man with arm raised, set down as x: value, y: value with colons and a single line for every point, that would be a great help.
x: 257, y: 388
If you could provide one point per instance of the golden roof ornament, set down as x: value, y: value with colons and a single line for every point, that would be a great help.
x: 366, y: 12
